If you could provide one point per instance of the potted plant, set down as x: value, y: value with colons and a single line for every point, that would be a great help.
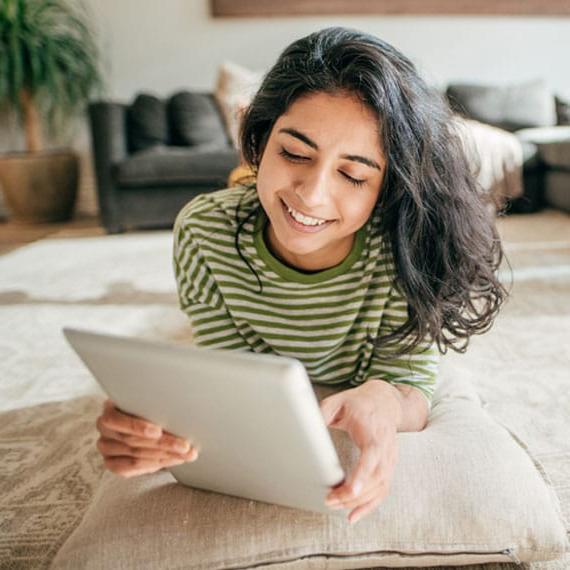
x: 48, y: 71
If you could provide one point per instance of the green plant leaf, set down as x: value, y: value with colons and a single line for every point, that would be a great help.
x: 48, y: 48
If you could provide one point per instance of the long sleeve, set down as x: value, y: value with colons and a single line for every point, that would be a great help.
x: 418, y: 368
x: 198, y: 293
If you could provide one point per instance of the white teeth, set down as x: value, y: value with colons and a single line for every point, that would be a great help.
x: 305, y: 220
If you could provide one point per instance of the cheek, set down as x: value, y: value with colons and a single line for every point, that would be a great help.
x: 356, y: 209
x: 272, y: 177
x: 269, y: 172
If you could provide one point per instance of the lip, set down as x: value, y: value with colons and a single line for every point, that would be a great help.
x: 308, y: 215
x: 300, y: 227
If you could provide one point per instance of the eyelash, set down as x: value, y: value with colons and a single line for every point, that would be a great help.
x: 296, y: 158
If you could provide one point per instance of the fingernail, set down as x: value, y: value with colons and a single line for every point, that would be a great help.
x: 357, y: 487
x: 354, y: 518
x: 182, y: 447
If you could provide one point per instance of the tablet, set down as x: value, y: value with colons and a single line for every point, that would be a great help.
x: 255, y: 418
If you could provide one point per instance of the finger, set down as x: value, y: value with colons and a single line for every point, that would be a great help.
x: 370, y: 489
x: 365, y: 509
x: 133, y: 466
x: 112, y: 448
x: 367, y: 464
x: 332, y: 409
x: 368, y: 494
x: 119, y: 421
x: 166, y: 442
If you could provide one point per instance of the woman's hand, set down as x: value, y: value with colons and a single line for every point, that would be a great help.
x: 370, y: 414
x: 131, y: 445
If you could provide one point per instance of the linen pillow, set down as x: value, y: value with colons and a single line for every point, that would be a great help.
x: 464, y: 492
x: 235, y: 88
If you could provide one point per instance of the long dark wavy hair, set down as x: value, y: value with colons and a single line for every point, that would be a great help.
x: 433, y: 212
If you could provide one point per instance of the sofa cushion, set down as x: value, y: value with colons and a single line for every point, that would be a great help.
x: 509, y: 107
x: 553, y: 144
x: 464, y: 492
x: 164, y: 165
x: 234, y: 90
x: 562, y: 110
x: 194, y: 119
x: 147, y: 123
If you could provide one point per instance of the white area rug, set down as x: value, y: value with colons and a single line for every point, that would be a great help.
x: 49, y: 466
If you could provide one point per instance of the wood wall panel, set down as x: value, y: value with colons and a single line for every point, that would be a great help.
x: 265, y: 8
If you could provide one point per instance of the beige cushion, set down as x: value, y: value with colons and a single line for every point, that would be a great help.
x: 234, y: 90
x: 464, y: 492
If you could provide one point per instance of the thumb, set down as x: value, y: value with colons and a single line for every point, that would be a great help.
x: 332, y: 409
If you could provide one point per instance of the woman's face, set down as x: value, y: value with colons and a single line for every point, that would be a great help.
x: 323, y: 160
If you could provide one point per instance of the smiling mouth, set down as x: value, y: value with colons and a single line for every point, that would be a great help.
x: 304, y: 219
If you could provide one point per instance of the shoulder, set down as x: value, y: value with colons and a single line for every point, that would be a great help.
x: 218, y: 207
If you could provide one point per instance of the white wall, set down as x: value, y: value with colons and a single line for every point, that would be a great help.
x: 163, y: 45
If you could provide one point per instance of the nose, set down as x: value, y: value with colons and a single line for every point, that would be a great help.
x: 313, y: 190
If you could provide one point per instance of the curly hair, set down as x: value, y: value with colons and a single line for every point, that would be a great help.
x: 434, y: 214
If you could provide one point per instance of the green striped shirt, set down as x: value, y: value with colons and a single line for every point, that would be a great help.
x: 320, y: 318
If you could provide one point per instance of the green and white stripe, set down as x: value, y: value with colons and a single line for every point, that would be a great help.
x: 319, y: 318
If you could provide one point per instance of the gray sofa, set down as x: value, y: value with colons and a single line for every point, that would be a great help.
x: 541, y: 122
x: 154, y: 155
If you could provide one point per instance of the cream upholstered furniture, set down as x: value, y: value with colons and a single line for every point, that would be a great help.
x: 464, y: 492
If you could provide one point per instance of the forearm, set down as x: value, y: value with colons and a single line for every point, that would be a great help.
x: 404, y: 403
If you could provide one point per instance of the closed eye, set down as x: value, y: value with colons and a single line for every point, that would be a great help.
x: 297, y: 158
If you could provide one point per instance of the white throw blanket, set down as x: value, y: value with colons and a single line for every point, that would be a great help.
x: 496, y: 156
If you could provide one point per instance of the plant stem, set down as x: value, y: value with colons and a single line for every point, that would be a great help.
x: 32, y: 125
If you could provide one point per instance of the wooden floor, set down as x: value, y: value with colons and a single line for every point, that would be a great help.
x: 14, y: 235
x: 546, y: 226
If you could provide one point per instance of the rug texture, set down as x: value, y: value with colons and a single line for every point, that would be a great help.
x: 49, y: 466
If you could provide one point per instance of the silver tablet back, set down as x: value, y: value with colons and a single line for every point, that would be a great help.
x: 254, y: 417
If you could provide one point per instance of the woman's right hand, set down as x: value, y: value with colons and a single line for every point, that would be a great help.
x: 131, y: 445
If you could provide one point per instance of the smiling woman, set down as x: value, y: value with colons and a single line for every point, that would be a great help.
x: 313, y: 159
x: 364, y: 229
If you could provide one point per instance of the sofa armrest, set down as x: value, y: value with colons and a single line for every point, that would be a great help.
x: 109, y: 142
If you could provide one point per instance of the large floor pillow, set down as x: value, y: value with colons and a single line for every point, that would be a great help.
x: 464, y: 492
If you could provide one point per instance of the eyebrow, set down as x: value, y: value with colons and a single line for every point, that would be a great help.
x: 355, y: 157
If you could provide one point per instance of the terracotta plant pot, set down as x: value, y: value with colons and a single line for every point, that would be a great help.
x: 39, y: 187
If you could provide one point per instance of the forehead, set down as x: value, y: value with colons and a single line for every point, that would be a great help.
x: 330, y: 118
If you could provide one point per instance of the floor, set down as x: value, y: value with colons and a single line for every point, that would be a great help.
x: 536, y: 320
x: 547, y: 226
x: 14, y: 235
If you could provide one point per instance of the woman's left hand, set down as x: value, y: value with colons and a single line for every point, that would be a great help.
x: 370, y: 413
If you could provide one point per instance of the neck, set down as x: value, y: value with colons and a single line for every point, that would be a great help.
x: 310, y: 263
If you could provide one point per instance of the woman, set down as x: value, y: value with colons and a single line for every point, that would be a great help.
x: 363, y: 248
